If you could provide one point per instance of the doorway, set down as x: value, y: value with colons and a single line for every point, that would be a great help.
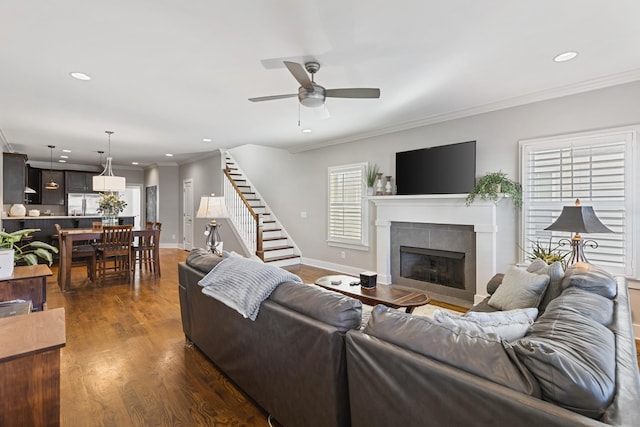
x: 133, y: 196
x: 187, y: 214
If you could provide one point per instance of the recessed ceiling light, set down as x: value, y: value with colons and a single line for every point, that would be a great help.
x: 566, y: 56
x: 62, y: 156
x: 80, y: 76
x: 169, y: 155
x: 66, y: 151
x: 62, y: 161
x: 307, y: 130
x: 206, y: 139
x: 135, y: 163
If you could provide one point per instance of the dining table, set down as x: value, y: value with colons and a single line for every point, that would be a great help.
x: 70, y: 235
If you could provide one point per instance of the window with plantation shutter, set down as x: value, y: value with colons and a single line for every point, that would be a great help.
x: 347, y: 216
x: 595, y: 167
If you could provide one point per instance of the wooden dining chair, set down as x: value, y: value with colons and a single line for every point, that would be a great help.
x: 114, y: 252
x: 86, y: 253
x: 145, y: 251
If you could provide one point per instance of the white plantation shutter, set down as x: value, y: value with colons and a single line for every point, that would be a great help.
x: 346, y: 213
x: 596, y: 168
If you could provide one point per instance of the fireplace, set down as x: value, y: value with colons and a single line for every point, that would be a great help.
x: 437, y: 258
x: 482, y: 218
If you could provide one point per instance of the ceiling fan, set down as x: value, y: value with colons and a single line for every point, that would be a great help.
x: 311, y: 94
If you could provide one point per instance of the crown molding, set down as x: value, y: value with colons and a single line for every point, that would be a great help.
x: 543, y: 95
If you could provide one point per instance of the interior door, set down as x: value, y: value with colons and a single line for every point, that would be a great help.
x: 187, y: 212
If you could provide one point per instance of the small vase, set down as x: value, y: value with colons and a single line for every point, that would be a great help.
x: 387, y: 186
x: 379, y: 185
x: 370, y: 191
x: 110, y: 220
x: 6, y: 262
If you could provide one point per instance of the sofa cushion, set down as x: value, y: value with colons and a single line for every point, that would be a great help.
x: 573, y: 358
x: 483, y: 355
x: 555, y: 273
x: 494, y: 282
x: 519, y: 289
x: 516, y: 315
x: 593, y: 306
x: 203, y: 260
x: 590, y: 278
x: 505, y: 328
x: 330, y: 307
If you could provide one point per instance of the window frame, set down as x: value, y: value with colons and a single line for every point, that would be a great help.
x: 630, y: 205
x: 362, y: 243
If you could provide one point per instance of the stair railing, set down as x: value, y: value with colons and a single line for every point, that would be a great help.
x: 247, y: 221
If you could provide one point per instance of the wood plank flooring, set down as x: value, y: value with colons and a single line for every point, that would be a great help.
x: 126, y: 362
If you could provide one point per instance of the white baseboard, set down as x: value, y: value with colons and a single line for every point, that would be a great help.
x: 345, y: 269
x: 169, y: 246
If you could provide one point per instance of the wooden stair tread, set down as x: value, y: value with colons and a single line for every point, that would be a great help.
x: 281, y: 258
x: 272, y: 239
x: 277, y: 248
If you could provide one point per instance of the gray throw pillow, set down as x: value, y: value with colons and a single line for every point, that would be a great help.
x: 555, y: 273
x: 590, y: 278
x: 508, y: 330
x: 519, y: 289
x: 494, y: 282
x: 483, y: 355
x: 516, y: 315
x: 573, y: 358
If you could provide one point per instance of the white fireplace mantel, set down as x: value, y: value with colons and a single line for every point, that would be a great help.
x: 439, y: 209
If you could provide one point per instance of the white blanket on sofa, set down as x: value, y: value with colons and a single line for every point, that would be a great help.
x: 243, y: 284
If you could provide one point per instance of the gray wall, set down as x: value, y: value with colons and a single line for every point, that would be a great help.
x: 169, y: 209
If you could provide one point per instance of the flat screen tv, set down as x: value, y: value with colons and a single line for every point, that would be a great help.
x: 446, y: 169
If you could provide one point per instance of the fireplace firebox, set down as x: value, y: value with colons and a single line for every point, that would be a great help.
x: 432, y: 266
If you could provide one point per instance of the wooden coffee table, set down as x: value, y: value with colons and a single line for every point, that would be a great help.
x: 389, y: 295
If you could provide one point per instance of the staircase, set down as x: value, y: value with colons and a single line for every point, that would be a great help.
x: 255, y: 224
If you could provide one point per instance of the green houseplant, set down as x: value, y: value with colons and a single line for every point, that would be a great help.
x: 370, y: 175
x: 492, y: 185
x: 110, y: 205
x: 29, y: 251
x: 547, y: 253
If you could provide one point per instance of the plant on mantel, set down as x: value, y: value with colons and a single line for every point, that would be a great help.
x: 493, y: 185
x: 371, y: 171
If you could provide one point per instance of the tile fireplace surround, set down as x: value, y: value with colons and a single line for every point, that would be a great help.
x: 445, y: 209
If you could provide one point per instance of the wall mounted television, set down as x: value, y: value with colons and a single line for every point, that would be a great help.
x: 446, y: 169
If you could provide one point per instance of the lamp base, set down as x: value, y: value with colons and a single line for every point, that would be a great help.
x: 577, y: 248
x: 214, y: 245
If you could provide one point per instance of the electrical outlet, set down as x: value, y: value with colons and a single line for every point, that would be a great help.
x: 303, y: 214
x: 343, y: 254
x: 173, y: 237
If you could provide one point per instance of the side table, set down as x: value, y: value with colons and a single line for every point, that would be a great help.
x: 28, y: 282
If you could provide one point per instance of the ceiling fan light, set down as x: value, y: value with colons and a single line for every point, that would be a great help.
x: 312, y: 98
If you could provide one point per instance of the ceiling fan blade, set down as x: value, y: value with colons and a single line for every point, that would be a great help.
x: 299, y: 74
x: 353, y: 93
x: 272, y: 97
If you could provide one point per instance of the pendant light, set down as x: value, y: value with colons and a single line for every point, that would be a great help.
x: 107, y: 181
x: 51, y: 184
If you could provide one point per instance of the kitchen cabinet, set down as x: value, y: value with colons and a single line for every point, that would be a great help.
x: 13, y: 177
x: 34, y: 180
x: 79, y: 182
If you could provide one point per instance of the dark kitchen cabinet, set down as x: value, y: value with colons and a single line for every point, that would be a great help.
x: 34, y: 181
x: 79, y: 182
x: 52, y: 197
x: 13, y: 177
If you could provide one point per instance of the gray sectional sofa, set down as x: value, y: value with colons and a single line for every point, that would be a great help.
x: 307, y: 361
x: 561, y: 373
x: 291, y: 360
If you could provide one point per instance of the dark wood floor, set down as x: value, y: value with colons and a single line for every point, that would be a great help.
x: 126, y: 362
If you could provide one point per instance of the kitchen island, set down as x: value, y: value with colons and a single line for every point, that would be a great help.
x: 46, y: 225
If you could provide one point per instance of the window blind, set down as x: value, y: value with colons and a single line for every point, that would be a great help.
x: 594, y: 169
x: 345, y: 204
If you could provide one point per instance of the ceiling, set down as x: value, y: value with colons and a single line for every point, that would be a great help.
x: 166, y: 73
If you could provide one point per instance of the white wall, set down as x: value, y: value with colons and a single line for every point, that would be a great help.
x: 165, y: 176
x: 292, y: 183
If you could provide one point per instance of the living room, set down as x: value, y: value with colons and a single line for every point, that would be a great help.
x: 126, y: 359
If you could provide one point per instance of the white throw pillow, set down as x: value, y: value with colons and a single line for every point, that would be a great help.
x: 516, y: 315
x: 519, y: 289
x: 508, y: 330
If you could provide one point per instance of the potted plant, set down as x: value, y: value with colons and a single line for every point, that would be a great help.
x: 547, y: 253
x: 492, y: 185
x: 12, y: 251
x: 110, y: 205
x: 370, y: 176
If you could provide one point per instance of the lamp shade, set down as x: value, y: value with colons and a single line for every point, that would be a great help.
x: 212, y: 207
x: 579, y: 219
x: 109, y: 183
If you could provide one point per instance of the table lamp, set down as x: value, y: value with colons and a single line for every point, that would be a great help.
x: 578, y: 219
x: 212, y: 207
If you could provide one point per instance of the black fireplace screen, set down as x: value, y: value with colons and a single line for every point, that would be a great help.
x: 433, y: 266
